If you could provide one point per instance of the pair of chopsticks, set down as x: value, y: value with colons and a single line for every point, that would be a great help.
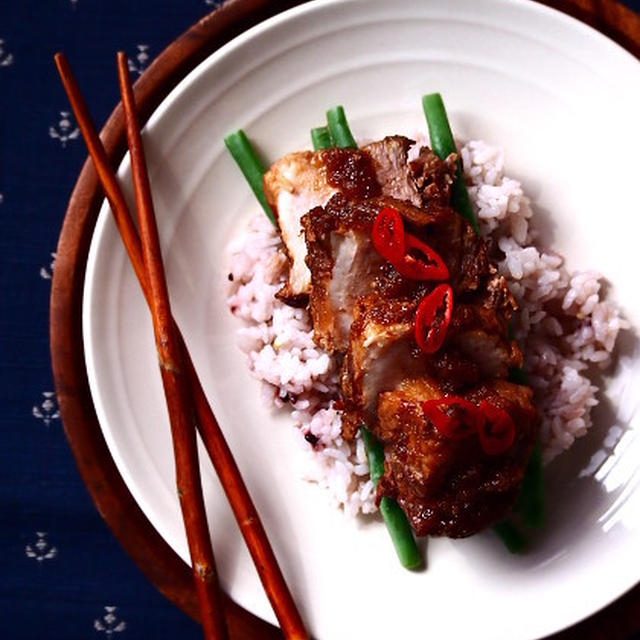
x: 186, y: 401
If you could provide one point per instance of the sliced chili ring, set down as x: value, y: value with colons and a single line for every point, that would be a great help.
x: 432, y: 318
x: 498, y: 431
x: 388, y: 234
x: 419, y: 261
x: 453, y: 416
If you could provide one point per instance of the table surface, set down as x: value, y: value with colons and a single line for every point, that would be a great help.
x: 63, y: 574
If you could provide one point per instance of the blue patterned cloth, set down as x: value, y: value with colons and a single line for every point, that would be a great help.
x: 63, y: 575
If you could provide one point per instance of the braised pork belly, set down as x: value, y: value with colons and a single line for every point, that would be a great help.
x: 449, y: 486
x: 366, y: 310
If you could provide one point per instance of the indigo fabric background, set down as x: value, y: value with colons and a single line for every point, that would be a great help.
x: 63, y: 575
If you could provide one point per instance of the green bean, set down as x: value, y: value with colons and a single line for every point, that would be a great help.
x: 400, y: 533
x: 442, y: 144
x: 531, y: 500
x: 250, y: 165
x: 375, y: 454
x: 511, y: 536
x: 339, y: 128
x: 517, y: 375
x: 394, y: 517
x: 321, y: 138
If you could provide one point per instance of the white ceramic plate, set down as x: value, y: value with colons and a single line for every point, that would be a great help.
x: 564, y: 102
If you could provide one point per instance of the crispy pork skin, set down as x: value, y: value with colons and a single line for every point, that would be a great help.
x: 446, y: 486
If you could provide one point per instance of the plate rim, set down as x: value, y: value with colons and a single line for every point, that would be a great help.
x: 111, y: 496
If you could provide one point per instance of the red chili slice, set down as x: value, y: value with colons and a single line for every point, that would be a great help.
x: 388, y: 234
x: 419, y: 261
x: 498, y: 431
x: 433, y: 317
x: 453, y: 416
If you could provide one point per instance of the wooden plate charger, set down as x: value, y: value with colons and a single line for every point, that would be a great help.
x: 109, y: 492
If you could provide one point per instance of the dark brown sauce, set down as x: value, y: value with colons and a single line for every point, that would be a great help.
x: 352, y: 172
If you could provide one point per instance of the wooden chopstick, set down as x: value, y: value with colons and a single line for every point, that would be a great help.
x: 235, y: 489
x: 179, y: 401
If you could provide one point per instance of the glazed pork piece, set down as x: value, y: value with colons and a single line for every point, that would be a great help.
x: 302, y: 180
x: 364, y: 312
x: 448, y: 486
x: 293, y: 185
x: 426, y: 179
x: 344, y: 265
x: 381, y: 353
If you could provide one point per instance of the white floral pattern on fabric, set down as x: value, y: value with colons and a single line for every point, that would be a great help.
x: 47, y: 272
x: 139, y: 63
x: 47, y: 410
x: 6, y: 59
x: 41, y: 549
x: 65, y: 130
x: 109, y: 623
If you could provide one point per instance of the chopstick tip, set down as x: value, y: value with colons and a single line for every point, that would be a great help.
x: 123, y: 69
x: 60, y: 59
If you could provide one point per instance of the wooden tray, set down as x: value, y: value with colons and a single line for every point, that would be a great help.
x: 116, y: 505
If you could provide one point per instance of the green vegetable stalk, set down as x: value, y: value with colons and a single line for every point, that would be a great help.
x: 250, y: 165
x: 339, y: 128
x: 511, y: 536
x: 442, y: 144
x: 394, y: 517
x: 321, y: 138
x: 531, y: 500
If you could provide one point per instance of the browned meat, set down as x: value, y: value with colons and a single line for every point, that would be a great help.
x: 392, y: 171
x: 446, y: 486
x: 382, y: 352
x: 479, y: 333
x: 364, y: 311
x: 426, y: 179
x: 303, y: 180
x: 432, y: 177
x: 343, y: 265
x: 351, y: 172
x: 300, y: 181
x: 465, y: 254
x: 293, y: 185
